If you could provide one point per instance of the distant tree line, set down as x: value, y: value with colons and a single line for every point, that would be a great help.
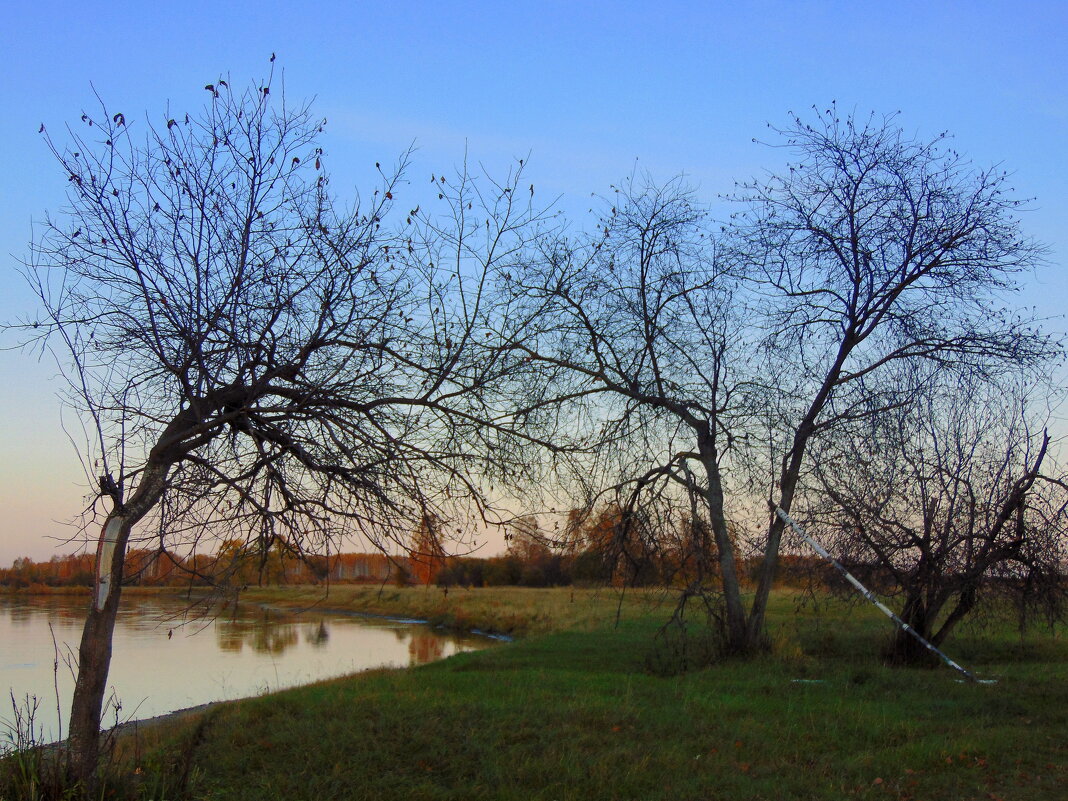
x: 231, y: 566
x: 595, y: 550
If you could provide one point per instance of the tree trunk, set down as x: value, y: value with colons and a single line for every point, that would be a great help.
x: 732, y: 594
x: 788, y: 478
x: 755, y: 637
x: 904, y: 649
x: 94, y: 652
x: 966, y: 601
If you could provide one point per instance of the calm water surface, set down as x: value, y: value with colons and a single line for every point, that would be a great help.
x: 167, y: 656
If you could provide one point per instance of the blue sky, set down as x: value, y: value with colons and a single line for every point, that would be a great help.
x: 588, y: 89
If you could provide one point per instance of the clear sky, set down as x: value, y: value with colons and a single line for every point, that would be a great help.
x: 586, y: 88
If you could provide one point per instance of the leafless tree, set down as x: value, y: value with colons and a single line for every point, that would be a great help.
x: 702, y: 355
x: 645, y: 327
x: 872, y: 250
x: 950, y: 501
x: 257, y: 363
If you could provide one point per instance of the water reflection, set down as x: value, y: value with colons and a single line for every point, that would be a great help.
x: 424, y: 646
x: 320, y: 636
x: 165, y: 660
x: 261, y: 636
x: 59, y: 608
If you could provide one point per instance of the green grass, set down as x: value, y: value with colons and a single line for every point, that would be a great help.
x: 574, y: 714
x: 572, y: 711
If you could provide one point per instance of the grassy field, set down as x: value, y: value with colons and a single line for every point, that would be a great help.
x: 572, y: 711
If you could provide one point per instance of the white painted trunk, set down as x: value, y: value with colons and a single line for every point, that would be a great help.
x: 105, y: 560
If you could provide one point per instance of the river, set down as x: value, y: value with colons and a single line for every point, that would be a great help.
x: 167, y: 656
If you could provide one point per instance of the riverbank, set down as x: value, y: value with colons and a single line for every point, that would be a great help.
x: 593, y: 712
x: 504, y: 613
x: 510, y: 611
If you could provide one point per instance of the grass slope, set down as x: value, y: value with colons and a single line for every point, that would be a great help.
x: 576, y: 715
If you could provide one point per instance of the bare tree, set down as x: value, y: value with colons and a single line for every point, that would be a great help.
x: 256, y: 363
x: 872, y: 250
x: 950, y: 501
x: 644, y: 326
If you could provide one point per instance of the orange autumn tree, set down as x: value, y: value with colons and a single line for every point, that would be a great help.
x: 426, y: 554
x: 615, y: 544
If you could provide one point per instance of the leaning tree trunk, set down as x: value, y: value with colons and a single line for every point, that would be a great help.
x: 756, y: 637
x: 94, y: 652
x: 755, y: 634
x: 791, y: 472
